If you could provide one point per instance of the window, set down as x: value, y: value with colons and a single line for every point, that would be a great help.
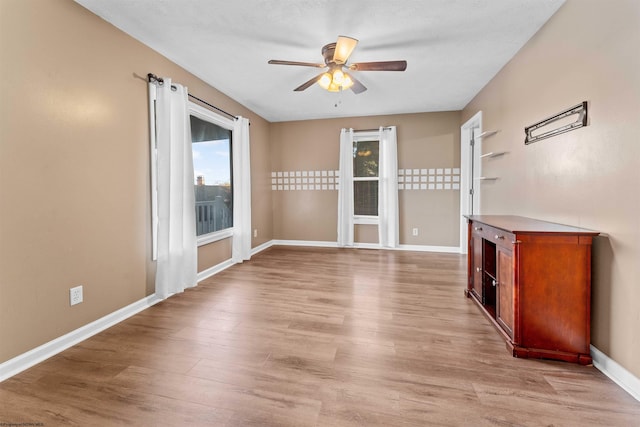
x: 211, y: 141
x: 368, y: 187
x: 366, y: 155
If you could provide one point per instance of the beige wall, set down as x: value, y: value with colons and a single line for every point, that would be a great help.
x: 74, y: 174
x: 213, y: 254
x: 425, y: 141
x: 588, y: 177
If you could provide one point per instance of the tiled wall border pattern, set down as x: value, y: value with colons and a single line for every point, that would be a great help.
x: 429, y: 179
x: 327, y: 180
x: 304, y: 180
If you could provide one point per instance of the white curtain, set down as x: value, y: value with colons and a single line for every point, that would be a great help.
x: 241, y: 246
x: 345, y: 189
x: 388, y: 228
x: 177, y: 244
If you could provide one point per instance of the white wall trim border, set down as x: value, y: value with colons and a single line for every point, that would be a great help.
x: 205, y: 274
x: 323, y: 244
x: 39, y: 354
x: 211, y: 271
x: 422, y: 248
x: 311, y: 243
x: 619, y: 375
x: 261, y: 247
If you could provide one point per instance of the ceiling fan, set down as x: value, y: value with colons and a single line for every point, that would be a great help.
x: 336, y: 55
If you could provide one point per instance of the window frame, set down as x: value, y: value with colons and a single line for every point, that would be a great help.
x: 207, y: 115
x: 361, y: 137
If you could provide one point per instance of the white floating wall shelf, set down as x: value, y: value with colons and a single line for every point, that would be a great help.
x: 493, y: 154
x: 487, y: 134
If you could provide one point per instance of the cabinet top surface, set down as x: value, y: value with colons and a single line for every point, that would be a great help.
x: 519, y: 224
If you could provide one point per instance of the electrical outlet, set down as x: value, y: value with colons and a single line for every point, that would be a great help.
x: 75, y: 295
x: 414, y: 231
x: 255, y: 232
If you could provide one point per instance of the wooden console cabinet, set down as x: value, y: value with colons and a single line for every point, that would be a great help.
x: 532, y: 279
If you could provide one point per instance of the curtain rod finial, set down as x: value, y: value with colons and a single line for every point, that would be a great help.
x: 153, y: 77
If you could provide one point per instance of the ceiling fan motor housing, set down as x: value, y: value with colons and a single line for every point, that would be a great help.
x: 328, y: 51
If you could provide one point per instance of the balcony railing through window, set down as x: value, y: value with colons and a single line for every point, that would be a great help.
x: 212, y: 216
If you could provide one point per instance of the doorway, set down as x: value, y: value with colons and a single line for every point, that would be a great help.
x: 470, y: 170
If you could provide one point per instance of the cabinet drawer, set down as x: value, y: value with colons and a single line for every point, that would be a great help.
x: 495, y: 235
x: 477, y: 229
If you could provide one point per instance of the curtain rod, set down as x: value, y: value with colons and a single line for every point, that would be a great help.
x: 153, y: 77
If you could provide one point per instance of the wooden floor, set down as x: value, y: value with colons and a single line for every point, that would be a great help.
x: 314, y: 337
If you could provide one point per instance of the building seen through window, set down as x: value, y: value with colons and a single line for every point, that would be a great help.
x: 211, y: 146
x: 365, y: 177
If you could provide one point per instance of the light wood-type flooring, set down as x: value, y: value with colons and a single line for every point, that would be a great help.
x: 314, y: 337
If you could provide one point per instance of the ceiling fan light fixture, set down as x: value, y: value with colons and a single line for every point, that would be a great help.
x: 335, y: 81
x: 325, y: 81
x: 333, y: 87
x: 347, y: 82
x: 338, y: 77
x: 344, y: 47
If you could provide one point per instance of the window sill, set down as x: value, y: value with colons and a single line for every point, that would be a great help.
x: 366, y: 220
x: 214, y: 237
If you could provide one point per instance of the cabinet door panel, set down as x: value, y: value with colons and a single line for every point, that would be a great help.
x: 504, y: 309
x: 477, y: 266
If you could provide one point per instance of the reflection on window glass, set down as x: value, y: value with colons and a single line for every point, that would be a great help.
x: 365, y: 159
x: 365, y: 173
x: 212, y: 176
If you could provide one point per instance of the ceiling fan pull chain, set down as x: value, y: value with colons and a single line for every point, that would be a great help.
x: 339, y: 98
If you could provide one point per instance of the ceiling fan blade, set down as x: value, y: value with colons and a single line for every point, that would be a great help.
x: 379, y: 66
x: 357, y: 86
x: 302, y: 64
x: 308, y: 84
x: 344, y: 47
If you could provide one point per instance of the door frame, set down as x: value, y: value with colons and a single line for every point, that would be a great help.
x: 466, y: 172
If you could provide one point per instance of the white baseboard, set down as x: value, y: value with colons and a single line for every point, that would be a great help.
x: 357, y: 245
x: 323, y: 244
x: 205, y: 274
x: 310, y: 243
x: 32, y: 357
x: 422, y: 248
x: 261, y: 247
x: 618, y: 374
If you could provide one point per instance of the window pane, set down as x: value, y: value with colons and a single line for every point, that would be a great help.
x: 365, y: 158
x: 211, y: 146
x: 365, y: 198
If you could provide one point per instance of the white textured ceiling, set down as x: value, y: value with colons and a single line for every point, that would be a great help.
x: 453, y: 48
